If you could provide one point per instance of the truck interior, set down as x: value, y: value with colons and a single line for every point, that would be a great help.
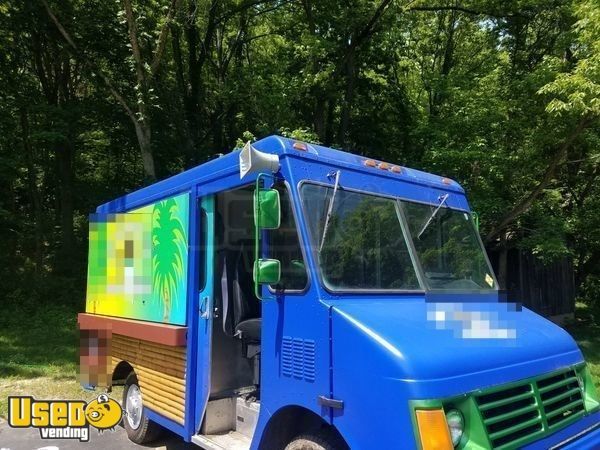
x: 234, y: 402
x: 237, y: 324
x: 233, y: 405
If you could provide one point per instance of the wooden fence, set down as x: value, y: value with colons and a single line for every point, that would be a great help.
x: 548, y: 289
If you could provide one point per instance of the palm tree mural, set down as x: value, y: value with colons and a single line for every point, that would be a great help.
x: 168, y: 253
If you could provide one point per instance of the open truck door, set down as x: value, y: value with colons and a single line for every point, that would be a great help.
x: 206, y: 302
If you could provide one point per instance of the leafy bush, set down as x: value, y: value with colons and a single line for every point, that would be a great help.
x: 590, y: 295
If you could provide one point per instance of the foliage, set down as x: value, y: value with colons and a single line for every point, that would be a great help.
x: 300, y: 134
x: 586, y: 331
x: 578, y: 91
x: 590, y: 295
x: 98, y: 98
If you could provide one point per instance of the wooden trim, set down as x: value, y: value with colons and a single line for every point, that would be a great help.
x: 160, y: 333
x: 161, y: 376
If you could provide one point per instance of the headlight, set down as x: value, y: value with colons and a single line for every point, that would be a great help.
x: 456, y: 425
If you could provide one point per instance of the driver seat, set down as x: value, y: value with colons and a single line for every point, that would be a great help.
x: 241, y: 309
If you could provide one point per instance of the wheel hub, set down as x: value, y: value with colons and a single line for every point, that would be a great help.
x: 134, y: 406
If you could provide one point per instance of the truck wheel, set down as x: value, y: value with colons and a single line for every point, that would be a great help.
x: 139, y: 428
x: 321, y: 440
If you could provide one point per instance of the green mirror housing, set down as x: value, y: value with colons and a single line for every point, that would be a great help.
x: 267, y: 216
x: 267, y: 271
x: 267, y: 213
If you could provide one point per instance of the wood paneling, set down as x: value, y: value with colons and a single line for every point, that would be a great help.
x: 161, y: 371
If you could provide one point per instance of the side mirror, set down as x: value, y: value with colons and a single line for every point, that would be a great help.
x: 267, y: 216
x: 267, y: 271
x: 267, y: 210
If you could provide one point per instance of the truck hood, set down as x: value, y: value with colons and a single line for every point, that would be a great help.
x: 473, y: 344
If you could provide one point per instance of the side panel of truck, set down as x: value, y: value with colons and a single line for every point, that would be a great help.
x: 138, y: 262
x: 137, y: 297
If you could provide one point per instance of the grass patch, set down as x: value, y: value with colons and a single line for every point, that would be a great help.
x: 41, y: 342
x: 39, y: 353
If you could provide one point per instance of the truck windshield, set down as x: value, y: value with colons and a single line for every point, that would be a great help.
x: 448, y: 249
x: 366, y: 248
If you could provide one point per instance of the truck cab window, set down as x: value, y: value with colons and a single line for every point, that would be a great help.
x: 284, y: 245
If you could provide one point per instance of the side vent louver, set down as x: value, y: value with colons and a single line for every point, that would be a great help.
x: 298, y: 358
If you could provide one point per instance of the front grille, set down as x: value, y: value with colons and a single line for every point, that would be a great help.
x: 524, y: 411
x: 510, y: 414
x: 561, y: 398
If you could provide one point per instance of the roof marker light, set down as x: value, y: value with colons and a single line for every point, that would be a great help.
x: 396, y: 169
x: 300, y: 146
x: 370, y: 163
x: 384, y: 166
x: 446, y: 180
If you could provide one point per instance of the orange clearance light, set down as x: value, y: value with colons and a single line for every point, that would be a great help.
x: 446, y: 180
x: 384, y: 166
x: 433, y: 430
x: 396, y: 169
x: 300, y: 146
x: 370, y: 163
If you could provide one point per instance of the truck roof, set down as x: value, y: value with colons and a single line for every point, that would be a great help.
x: 284, y: 147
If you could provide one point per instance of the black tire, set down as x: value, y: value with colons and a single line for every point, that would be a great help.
x: 324, y: 439
x: 146, y: 431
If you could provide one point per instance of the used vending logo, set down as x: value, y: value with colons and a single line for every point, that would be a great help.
x: 64, y: 419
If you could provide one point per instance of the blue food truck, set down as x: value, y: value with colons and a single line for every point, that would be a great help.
x: 292, y: 296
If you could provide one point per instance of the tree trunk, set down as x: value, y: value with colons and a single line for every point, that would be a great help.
x: 143, y: 133
x: 503, y: 262
x: 320, y: 100
x: 64, y: 159
x: 329, y: 124
x: 320, y: 115
x: 547, y: 178
x: 189, y: 128
x: 34, y: 194
x: 198, y: 52
x: 144, y: 79
x: 348, y: 98
x: 348, y: 64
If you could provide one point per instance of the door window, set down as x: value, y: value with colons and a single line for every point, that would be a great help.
x: 284, y: 245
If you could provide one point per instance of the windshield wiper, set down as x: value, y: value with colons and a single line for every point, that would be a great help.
x: 330, y: 209
x: 442, y: 201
